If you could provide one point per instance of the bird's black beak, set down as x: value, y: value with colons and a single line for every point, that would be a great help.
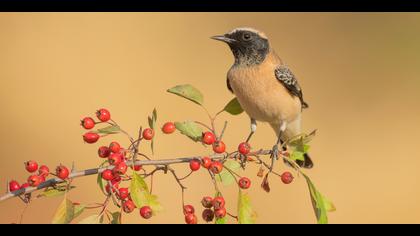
x: 223, y: 38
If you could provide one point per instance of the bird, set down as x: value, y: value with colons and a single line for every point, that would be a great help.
x: 265, y: 87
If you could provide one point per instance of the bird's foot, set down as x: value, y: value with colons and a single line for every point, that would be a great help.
x: 274, y: 155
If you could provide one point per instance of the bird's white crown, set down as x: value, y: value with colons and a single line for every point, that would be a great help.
x: 261, y: 34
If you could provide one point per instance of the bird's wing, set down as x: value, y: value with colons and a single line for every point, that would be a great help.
x: 288, y: 79
x: 228, y: 85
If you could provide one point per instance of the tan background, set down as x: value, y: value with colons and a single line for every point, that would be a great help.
x: 359, y: 72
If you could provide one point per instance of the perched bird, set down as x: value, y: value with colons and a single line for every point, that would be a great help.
x: 265, y: 87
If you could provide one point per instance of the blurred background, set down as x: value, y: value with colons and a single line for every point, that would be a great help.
x: 359, y: 72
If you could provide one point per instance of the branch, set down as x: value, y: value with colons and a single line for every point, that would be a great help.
x: 94, y: 171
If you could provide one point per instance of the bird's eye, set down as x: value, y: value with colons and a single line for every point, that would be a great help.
x: 246, y: 36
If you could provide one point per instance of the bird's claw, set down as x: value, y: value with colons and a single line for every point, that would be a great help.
x: 274, y: 156
x: 275, y: 152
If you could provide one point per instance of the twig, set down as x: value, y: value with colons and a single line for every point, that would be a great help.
x: 223, y: 131
x: 95, y: 171
x: 216, y: 187
x: 204, y: 125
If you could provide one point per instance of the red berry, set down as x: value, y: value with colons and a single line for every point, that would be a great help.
x: 87, y: 123
x: 148, y: 133
x: 137, y: 167
x: 208, y: 215
x: 218, y: 203
x: 90, y: 137
x: 219, y: 147
x: 42, y: 178
x: 115, y: 159
x: 128, y: 206
x: 287, y: 177
x: 114, y: 187
x: 107, y: 175
x: 24, y: 185
x: 146, y: 212
x: 195, y: 165
x: 44, y: 171
x: 244, y: 183
x: 188, y: 209
x: 115, y: 147
x: 123, y: 193
x: 168, y: 128
x: 103, y: 115
x: 244, y: 148
x: 116, y: 180
x: 34, y: 180
x: 31, y: 166
x: 104, y: 152
x: 216, y: 167
x: 191, y: 219
x: 206, y: 162
x: 62, y: 172
x: 207, y: 202
x: 220, y: 213
x: 120, y: 169
x: 208, y: 138
x: 13, y: 186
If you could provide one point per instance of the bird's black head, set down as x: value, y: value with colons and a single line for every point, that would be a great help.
x: 249, y: 46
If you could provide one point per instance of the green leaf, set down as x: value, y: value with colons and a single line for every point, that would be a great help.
x: 296, y: 155
x: 55, y: 192
x: 154, y: 204
x: 64, y: 213
x: 78, y: 210
x: 225, y: 176
x: 301, y: 139
x: 93, y: 219
x: 233, y: 107
x: 116, y: 217
x: 112, y: 129
x: 152, y: 119
x: 101, y: 183
x: 190, y: 129
x: 141, y: 196
x: 154, y: 114
x: 320, y: 204
x: 329, y: 206
x: 246, y: 215
x: 299, y: 148
x: 152, y: 123
x: 189, y: 92
x: 221, y: 221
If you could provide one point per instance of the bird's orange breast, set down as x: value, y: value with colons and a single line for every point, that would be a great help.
x: 261, y: 95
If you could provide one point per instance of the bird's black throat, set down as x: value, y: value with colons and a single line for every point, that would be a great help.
x: 250, y: 53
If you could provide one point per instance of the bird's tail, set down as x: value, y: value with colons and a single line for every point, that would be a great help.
x: 292, y: 129
x: 306, y: 163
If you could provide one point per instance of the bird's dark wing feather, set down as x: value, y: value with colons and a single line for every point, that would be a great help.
x: 228, y: 85
x: 288, y: 79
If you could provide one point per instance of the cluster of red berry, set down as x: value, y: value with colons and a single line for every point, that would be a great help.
x: 214, y: 166
x: 210, y: 139
x: 35, y: 179
x: 116, y: 156
x: 104, y: 116
x: 213, y: 208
